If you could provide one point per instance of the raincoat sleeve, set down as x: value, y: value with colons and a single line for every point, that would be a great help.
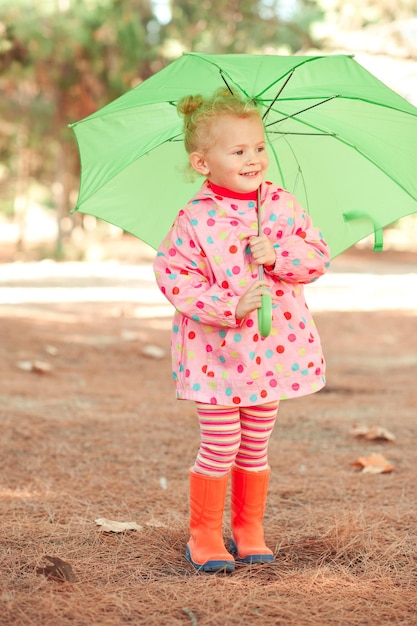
x: 184, y: 276
x: 302, y: 255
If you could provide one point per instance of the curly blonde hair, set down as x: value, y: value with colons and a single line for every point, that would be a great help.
x: 199, y: 112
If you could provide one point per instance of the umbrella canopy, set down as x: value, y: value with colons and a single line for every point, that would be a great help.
x: 339, y: 139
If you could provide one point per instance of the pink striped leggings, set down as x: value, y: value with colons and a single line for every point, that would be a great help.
x: 234, y: 435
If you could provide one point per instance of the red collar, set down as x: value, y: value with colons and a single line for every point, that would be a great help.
x: 228, y: 193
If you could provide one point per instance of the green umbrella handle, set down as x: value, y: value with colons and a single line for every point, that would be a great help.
x: 265, y: 312
x: 265, y: 315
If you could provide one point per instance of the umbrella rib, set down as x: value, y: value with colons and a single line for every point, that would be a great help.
x: 279, y: 132
x: 225, y: 81
x: 313, y: 106
x: 278, y: 94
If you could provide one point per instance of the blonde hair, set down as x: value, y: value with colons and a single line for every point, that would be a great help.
x: 199, y: 112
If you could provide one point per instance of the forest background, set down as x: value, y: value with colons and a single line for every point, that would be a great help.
x: 60, y: 60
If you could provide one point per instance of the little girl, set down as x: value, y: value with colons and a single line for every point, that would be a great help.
x: 207, y: 267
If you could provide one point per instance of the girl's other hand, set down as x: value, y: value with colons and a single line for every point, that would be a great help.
x: 251, y: 299
x: 263, y: 252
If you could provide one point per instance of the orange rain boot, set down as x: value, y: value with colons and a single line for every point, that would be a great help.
x: 249, y: 491
x: 205, y: 549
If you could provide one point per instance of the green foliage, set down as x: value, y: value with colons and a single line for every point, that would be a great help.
x: 221, y: 26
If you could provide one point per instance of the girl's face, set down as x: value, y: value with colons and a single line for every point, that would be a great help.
x: 236, y: 158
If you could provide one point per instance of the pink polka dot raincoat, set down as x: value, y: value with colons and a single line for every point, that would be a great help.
x: 203, y: 267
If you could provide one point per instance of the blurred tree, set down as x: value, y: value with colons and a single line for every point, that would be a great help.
x: 224, y: 26
x: 60, y: 60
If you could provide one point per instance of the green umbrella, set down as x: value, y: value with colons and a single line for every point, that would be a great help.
x: 339, y: 139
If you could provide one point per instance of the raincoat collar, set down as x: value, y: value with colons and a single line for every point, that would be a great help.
x: 228, y: 193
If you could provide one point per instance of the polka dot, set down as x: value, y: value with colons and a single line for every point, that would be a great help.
x: 287, y: 315
x: 200, y: 304
x: 236, y: 269
x: 209, y: 348
x: 237, y: 337
x: 210, y: 222
x: 249, y: 323
x: 213, y: 401
x: 280, y: 349
x: 233, y: 249
x: 236, y: 400
x: 292, y: 337
x: 253, y: 397
x: 273, y: 382
x: 175, y: 291
x: 225, y: 284
x: 172, y: 252
x: 228, y: 391
x: 196, y: 387
x: 269, y: 354
x: 264, y: 393
x: 191, y: 335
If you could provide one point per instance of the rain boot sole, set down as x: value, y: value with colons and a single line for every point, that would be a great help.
x: 251, y: 559
x: 210, y: 566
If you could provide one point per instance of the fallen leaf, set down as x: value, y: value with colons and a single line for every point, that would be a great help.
x: 51, y: 350
x: 154, y: 352
x: 373, y: 464
x: 39, y: 367
x: 372, y: 432
x: 59, y: 570
x: 111, y: 526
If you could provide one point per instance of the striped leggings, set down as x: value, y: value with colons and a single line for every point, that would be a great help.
x: 234, y: 435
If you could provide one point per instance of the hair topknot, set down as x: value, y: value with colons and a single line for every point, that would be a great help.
x: 189, y: 104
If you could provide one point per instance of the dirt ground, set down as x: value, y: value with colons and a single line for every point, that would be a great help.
x: 100, y: 435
